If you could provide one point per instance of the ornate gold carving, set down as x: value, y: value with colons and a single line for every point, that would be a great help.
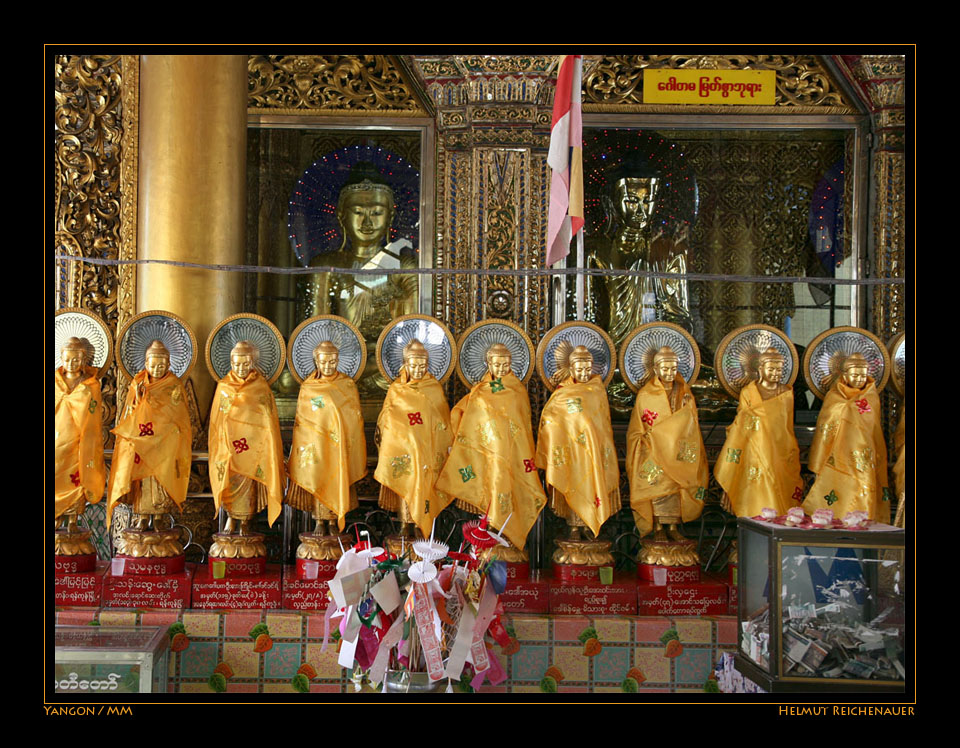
x: 78, y: 543
x: 315, y: 547
x: 508, y: 63
x: 583, y: 552
x: 669, y: 553
x: 363, y: 84
x: 88, y: 124
x: 510, y: 554
x: 237, y: 546
x: 802, y: 81
x: 150, y: 544
x: 503, y: 114
x: 129, y: 177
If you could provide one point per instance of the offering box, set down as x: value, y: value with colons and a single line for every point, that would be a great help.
x: 95, y: 662
x: 821, y: 610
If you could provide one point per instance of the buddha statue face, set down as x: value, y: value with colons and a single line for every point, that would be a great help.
x: 499, y: 360
x: 855, y: 375
x: 72, y: 356
x: 666, y: 365
x: 581, y: 364
x: 416, y: 360
x: 365, y: 215
x: 243, y: 359
x: 157, y: 360
x: 770, y: 372
x: 327, y: 358
x: 635, y: 199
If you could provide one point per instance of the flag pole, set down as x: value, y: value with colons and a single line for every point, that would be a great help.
x: 580, y: 292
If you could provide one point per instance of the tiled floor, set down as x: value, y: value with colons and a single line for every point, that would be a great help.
x: 552, y: 655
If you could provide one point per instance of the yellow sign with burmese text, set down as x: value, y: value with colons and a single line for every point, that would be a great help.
x: 731, y: 87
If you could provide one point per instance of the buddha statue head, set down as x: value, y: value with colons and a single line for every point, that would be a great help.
x: 74, y: 355
x: 666, y: 364
x: 327, y: 357
x: 581, y: 364
x: 770, y: 368
x: 635, y: 188
x: 415, y: 360
x: 243, y: 358
x: 365, y: 211
x: 156, y: 360
x: 499, y: 360
x: 855, y: 371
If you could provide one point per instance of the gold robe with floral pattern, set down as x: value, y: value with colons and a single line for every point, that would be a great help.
x: 575, y: 448
x: 492, y: 464
x: 246, y: 450
x: 329, y: 450
x: 666, y: 460
x: 759, y: 465
x: 79, y: 472
x: 849, y: 454
x: 153, y: 440
x: 415, y: 436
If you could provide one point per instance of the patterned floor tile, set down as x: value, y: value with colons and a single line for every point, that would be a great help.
x: 572, y: 662
x: 530, y: 662
x: 241, y: 657
x: 202, y: 624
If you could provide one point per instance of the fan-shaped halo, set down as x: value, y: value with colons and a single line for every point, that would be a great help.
x: 432, y: 333
x: 339, y: 331
x: 140, y: 331
x: 576, y: 333
x: 737, y: 356
x: 639, y: 347
x: 476, y: 339
x: 898, y: 362
x: 73, y: 322
x: 824, y: 357
x: 257, y: 330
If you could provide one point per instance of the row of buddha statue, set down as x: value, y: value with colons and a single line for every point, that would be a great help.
x: 482, y: 452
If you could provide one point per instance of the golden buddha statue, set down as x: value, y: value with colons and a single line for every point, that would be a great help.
x: 246, y: 454
x: 759, y: 465
x: 849, y: 453
x: 576, y: 450
x: 365, y: 211
x: 328, y: 454
x: 622, y: 303
x: 413, y: 436
x: 80, y: 474
x: 666, y: 463
x: 151, y: 458
x: 491, y: 467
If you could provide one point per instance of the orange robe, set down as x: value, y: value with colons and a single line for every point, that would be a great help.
x: 329, y: 450
x: 759, y: 465
x: 244, y: 442
x: 665, y: 456
x: 492, y: 464
x: 849, y: 454
x: 576, y: 449
x: 414, y: 438
x: 78, y: 443
x: 153, y: 439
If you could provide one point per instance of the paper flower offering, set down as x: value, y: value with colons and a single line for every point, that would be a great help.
x: 822, y: 517
x: 795, y: 516
x: 768, y: 513
x: 855, y: 519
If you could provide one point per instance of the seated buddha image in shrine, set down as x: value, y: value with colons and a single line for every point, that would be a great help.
x: 365, y: 212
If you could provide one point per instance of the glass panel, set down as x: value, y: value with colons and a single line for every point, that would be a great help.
x: 754, y: 591
x: 89, y: 678
x: 843, y: 614
x: 345, y: 198
x: 726, y: 202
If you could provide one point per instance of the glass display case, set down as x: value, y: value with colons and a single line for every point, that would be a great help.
x: 821, y: 610
x: 111, y: 660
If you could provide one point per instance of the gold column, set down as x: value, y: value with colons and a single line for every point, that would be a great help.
x: 193, y: 130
